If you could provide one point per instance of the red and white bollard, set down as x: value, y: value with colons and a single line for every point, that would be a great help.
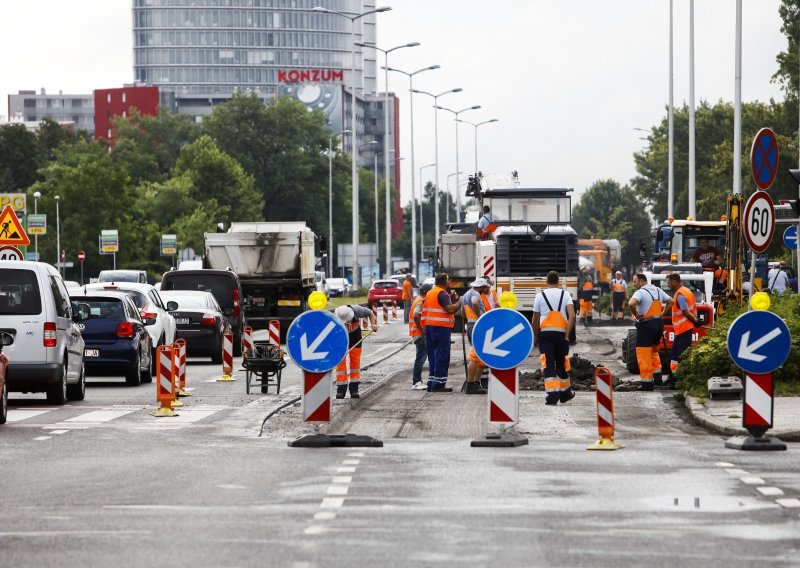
x: 394, y: 310
x: 385, y: 311
x: 316, y: 398
x: 247, y: 339
x: 180, y: 381
x: 165, y: 381
x: 757, y: 415
x: 274, y: 333
x: 227, y: 358
x: 605, y: 411
x: 503, y: 403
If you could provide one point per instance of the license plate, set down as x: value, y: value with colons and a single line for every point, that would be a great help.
x: 91, y: 353
x: 182, y: 321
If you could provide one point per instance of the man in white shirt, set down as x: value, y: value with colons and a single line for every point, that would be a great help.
x: 648, y: 305
x: 777, y: 280
x: 553, y: 321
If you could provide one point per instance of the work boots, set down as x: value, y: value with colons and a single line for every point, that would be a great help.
x: 354, y: 390
x: 341, y: 390
x: 475, y: 388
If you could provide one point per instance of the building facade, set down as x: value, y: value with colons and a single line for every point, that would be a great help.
x: 110, y: 103
x: 30, y: 107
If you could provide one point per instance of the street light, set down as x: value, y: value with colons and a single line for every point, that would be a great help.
x: 450, y: 197
x: 458, y: 193
x: 371, y: 143
x: 377, y: 232
x: 413, y: 183
x: 330, y: 199
x: 436, y: 155
x: 58, y: 235
x: 354, y: 170
x: 36, y: 196
x: 476, y: 135
x: 387, y: 149
x: 421, y: 218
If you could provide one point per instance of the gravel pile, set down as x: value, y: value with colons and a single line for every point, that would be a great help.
x: 581, y: 375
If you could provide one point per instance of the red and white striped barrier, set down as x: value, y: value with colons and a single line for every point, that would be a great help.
x: 165, y: 380
x: 503, y: 397
x: 316, y: 398
x: 375, y: 311
x: 605, y: 411
x: 758, y: 401
x: 180, y: 380
x: 247, y: 339
x: 227, y: 358
x: 385, y: 311
x: 489, y: 267
x: 274, y: 333
x: 394, y: 310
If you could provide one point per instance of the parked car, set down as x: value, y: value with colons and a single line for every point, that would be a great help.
x: 337, y: 287
x: 155, y: 315
x: 46, y: 353
x: 320, y: 282
x: 137, y: 276
x: 200, y: 321
x: 385, y: 290
x: 70, y: 284
x: 226, y: 288
x: 114, y: 335
x: 5, y: 339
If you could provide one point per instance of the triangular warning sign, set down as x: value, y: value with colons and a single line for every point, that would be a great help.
x: 11, y: 231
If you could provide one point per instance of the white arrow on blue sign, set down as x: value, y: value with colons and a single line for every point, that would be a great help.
x: 759, y: 342
x: 503, y: 338
x: 790, y: 237
x: 317, y: 341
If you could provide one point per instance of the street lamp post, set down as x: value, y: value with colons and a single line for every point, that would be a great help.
x: 330, y: 200
x: 353, y: 105
x: 413, y: 183
x: 389, y: 147
x: 36, y: 196
x: 449, y: 200
x: 476, y: 136
x: 58, y: 235
x: 370, y: 143
x: 458, y: 194
x: 377, y: 232
x: 436, y: 155
x: 421, y: 218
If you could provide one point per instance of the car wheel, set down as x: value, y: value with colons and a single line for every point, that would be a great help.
x: 57, y: 394
x: 144, y: 372
x: 153, y: 359
x: 4, y: 404
x: 237, y: 344
x: 631, y: 362
x: 78, y: 390
x: 132, y: 377
x: 216, y: 356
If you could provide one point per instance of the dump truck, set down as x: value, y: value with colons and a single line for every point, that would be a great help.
x: 275, y: 263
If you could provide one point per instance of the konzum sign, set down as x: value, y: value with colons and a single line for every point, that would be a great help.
x: 310, y: 76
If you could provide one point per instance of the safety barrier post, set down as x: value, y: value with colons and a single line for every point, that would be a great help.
x: 247, y: 339
x: 274, y: 334
x: 385, y: 311
x: 165, y: 381
x: 374, y: 308
x: 605, y: 411
x: 181, y: 345
x: 757, y: 416
x: 176, y: 372
x: 503, y: 407
x: 394, y: 310
x: 227, y: 358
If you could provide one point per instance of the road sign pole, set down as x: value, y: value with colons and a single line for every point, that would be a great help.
x: 752, y: 276
x: 757, y: 413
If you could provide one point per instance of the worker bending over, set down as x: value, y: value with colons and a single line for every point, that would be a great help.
x: 351, y: 316
x: 647, y: 305
x: 553, y: 320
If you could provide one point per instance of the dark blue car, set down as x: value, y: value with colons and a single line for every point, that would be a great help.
x: 116, y: 341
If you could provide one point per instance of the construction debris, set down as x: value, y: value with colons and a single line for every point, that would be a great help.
x: 581, y: 375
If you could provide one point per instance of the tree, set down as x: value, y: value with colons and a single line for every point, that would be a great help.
x: 20, y: 158
x: 788, y: 65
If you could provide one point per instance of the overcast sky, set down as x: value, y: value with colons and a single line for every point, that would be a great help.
x: 569, y: 80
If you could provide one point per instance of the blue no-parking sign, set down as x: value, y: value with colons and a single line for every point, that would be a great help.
x: 759, y: 342
x: 317, y: 341
x: 502, y: 338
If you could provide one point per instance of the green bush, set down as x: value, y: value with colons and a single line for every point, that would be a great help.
x: 709, y: 357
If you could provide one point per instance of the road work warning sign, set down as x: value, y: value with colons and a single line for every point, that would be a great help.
x: 11, y: 231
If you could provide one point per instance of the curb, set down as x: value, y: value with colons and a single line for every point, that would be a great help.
x: 699, y: 413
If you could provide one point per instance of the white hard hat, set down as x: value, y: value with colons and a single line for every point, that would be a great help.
x: 345, y: 313
x: 479, y: 283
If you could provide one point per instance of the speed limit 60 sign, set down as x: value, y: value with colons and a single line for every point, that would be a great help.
x: 759, y: 221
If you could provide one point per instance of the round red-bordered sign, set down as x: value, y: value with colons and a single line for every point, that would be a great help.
x: 11, y: 253
x: 764, y: 158
x: 759, y: 221
x: 81, y: 256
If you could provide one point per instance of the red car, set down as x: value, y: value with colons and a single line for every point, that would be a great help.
x: 385, y: 290
x: 5, y: 339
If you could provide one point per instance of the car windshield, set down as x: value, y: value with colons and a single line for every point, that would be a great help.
x: 19, y: 293
x: 221, y: 286
x: 186, y: 301
x: 386, y: 284
x: 336, y: 281
x: 118, y: 276
x: 138, y: 298
x: 102, y: 308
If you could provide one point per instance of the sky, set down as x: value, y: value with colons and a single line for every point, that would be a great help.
x: 569, y: 81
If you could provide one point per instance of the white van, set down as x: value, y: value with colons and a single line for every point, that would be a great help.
x: 47, y: 350
x: 137, y: 276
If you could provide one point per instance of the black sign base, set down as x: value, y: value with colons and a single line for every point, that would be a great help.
x: 751, y: 444
x: 335, y: 441
x: 499, y: 441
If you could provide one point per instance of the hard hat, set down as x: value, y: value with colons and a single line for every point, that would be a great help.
x: 479, y: 283
x: 425, y: 288
x: 345, y: 313
x: 618, y: 272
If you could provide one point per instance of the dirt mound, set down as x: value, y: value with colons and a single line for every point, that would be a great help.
x: 581, y: 375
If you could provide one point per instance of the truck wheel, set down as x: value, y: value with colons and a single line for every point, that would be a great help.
x: 631, y: 363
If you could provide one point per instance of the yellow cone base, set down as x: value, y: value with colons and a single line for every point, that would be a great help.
x: 225, y: 379
x: 163, y: 411
x: 184, y: 393
x: 176, y: 403
x: 606, y: 444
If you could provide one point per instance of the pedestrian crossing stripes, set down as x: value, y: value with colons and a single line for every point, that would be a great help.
x: 75, y: 418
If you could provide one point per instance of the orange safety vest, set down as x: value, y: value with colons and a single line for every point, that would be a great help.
x: 407, y: 290
x: 413, y: 330
x: 618, y: 287
x: 680, y: 323
x: 495, y: 299
x: 487, y: 305
x: 655, y: 307
x: 433, y: 314
x: 554, y: 320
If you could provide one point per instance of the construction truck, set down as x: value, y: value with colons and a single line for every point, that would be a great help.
x: 275, y: 263
x: 605, y: 256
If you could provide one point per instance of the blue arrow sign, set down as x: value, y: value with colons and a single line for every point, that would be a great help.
x: 502, y: 338
x: 759, y: 342
x: 317, y: 341
x: 790, y: 237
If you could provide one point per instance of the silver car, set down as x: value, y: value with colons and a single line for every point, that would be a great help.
x: 46, y: 354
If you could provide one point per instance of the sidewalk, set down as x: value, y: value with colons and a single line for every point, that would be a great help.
x: 725, y: 417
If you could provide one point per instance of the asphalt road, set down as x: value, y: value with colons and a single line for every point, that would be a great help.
x: 101, y: 481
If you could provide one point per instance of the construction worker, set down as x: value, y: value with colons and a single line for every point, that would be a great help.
x: 495, y: 301
x: 618, y: 289
x: 438, y: 311
x: 777, y: 279
x: 408, y: 296
x: 684, y: 320
x: 474, y: 304
x: 351, y: 316
x: 586, y: 303
x: 417, y: 333
x: 553, y: 320
x: 647, y: 305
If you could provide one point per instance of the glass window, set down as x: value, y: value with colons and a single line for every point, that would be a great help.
x: 60, y: 297
x: 19, y: 293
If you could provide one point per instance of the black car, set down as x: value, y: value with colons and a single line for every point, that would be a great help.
x: 200, y: 321
x: 114, y: 335
x: 226, y: 288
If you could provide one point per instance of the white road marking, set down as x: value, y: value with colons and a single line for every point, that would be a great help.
x: 737, y: 472
x: 332, y: 503
x: 356, y: 454
x: 724, y: 464
x: 58, y: 431
x: 770, y: 491
x: 752, y: 480
x: 313, y: 529
x: 346, y: 470
x: 324, y: 516
x: 343, y: 479
x: 788, y: 503
x: 338, y: 490
x: 15, y: 415
x: 186, y: 416
x: 351, y: 462
x: 23, y: 534
x: 98, y: 416
x: 42, y: 438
